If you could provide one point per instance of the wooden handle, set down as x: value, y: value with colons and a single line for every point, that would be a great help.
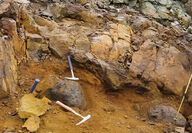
x: 64, y: 106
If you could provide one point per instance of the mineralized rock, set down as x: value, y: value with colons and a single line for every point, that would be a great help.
x: 29, y: 106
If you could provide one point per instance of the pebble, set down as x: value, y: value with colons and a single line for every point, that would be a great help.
x: 20, y: 131
x: 9, y: 113
x: 128, y: 126
x: 4, y: 103
x: 179, y: 130
x: 119, y: 124
x: 125, y: 116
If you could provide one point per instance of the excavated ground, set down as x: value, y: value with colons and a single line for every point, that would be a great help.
x: 124, y: 111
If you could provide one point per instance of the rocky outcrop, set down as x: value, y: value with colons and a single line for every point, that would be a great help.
x: 120, y: 59
x: 10, y: 47
x: 167, y: 12
x: 103, y: 42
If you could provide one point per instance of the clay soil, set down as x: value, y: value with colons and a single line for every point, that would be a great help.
x: 123, y: 111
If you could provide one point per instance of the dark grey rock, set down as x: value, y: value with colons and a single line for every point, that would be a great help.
x: 163, y: 113
x: 68, y: 92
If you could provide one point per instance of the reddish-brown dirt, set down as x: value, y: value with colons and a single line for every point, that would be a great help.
x: 122, y: 111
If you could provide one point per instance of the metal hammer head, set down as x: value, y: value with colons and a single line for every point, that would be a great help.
x: 72, y: 78
x: 84, y: 119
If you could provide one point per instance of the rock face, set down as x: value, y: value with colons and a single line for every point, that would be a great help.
x: 110, y: 52
x: 68, y: 92
x: 146, y: 59
x: 9, y: 46
x: 163, y: 113
x: 8, y: 69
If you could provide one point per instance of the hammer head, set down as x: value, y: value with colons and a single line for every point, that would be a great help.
x: 84, y: 119
x: 72, y: 78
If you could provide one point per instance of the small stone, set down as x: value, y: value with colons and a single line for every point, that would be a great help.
x: 128, y: 126
x: 32, y: 123
x: 143, y: 119
x: 109, y: 110
x: 10, y: 130
x: 150, y: 123
x: 9, y: 113
x: 189, y: 29
x: 118, y: 1
x: 125, y: 116
x: 179, y: 130
x: 119, y: 123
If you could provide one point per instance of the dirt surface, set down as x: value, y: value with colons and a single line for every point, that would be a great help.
x: 115, y: 112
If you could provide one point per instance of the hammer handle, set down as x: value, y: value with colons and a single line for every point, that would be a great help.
x: 70, y: 64
x: 34, y: 85
x: 65, y: 106
x: 68, y: 108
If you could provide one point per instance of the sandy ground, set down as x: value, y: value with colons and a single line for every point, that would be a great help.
x: 122, y: 111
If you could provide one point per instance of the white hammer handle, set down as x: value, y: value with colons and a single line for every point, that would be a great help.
x: 68, y: 108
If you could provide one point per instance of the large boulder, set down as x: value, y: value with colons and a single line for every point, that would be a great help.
x: 68, y: 92
x: 158, y: 65
x: 162, y: 113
